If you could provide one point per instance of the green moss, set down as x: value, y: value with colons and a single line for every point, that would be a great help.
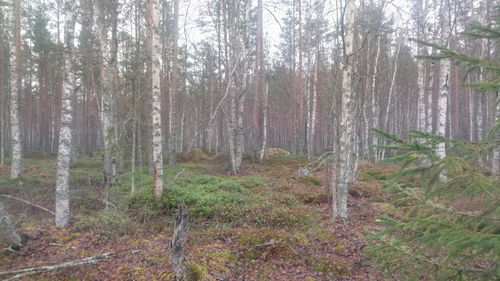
x: 329, y: 266
x: 265, y: 243
x: 195, y: 271
x: 206, y: 196
x: 310, y: 180
x: 376, y: 173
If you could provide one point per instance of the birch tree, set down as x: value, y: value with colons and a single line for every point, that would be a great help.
x: 346, y: 147
x: 152, y: 18
x: 173, y: 84
x: 62, y: 216
x: 444, y: 80
x: 237, y: 17
x: 14, y: 38
x: 261, y: 76
x: 421, y: 66
x: 107, y: 63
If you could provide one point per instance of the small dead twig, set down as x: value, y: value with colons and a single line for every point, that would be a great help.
x: 29, y: 203
x: 174, y: 181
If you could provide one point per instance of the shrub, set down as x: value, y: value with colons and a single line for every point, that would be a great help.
x: 206, y: 196
x: 430, y: 233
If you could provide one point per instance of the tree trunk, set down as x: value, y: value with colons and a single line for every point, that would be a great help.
x: 237, y: 44
x: 375, y: 99
x: 152, y: 16
x: 14, y: 35
x: 10, y: 234
x: 179, y: 238
x: 173, y: 86
x: 107, y: 59
x: 346, y: 150
x: 496, y: 151
x: 444, y: 80
x: 64, y: 150
x: 391, y: 93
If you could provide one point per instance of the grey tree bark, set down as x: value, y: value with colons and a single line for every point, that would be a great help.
x: 238, y: 19
x: 496, y: 151
x: 62, y: 210
x: 107, y: 59
x: 14, y: 38
x: 346, y: 146
x: 10, y: 234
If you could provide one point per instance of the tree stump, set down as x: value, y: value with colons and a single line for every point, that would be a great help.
x: 179, y: 238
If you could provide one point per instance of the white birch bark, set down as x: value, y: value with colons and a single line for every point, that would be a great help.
x: 391, y: 93
x: 421, y: 68
x: 444, y: 80
x: 444, y: 76
x: 346, y: 150
x: 62, y: 216
x: 152, y: 16
x: 14, y: 37
x: 238, y: 16
x: 421, y: 90
x: 107, y: 58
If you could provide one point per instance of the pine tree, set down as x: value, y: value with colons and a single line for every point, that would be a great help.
x: 443, y: 228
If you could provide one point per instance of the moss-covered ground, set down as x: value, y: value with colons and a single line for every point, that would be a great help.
x: 268, y: 223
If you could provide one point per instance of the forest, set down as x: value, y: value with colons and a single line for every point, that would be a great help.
x: 250, y: 140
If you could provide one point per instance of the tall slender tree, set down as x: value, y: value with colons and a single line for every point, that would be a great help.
x: 152, y: 18
x: 346, y: 151
x: 107, y: 64
x: 65, y: 134
x: 14, y: 37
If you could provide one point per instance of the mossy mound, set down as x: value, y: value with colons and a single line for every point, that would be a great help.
x: 277, y: 152
x: 194, y: 155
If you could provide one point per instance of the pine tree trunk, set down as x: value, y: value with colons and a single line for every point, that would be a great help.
x: 173, y: 86
x: 64, y: 150
x: 14, y: 34
x: 263, y: 147
x: 375, y: 99
x: 346, y: 150
x: 261, y: 83
x: 496, y: 151
x: 152, y: 16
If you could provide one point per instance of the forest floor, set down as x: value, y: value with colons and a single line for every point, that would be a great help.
x: 268, y: 223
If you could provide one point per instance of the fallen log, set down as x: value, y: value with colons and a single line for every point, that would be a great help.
x: 20, y: 273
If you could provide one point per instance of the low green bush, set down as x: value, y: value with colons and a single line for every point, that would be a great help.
x: 206, y: 196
